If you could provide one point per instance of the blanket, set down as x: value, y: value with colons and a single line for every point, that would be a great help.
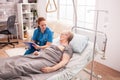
x: 25, y: 67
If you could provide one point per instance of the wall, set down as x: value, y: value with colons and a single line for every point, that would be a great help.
x: 7, y: 8
x: 112, y: 31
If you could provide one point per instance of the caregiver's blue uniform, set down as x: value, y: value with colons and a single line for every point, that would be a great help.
x: 40, y: 38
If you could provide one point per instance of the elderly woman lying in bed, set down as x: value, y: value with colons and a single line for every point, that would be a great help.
x: 47, y: 60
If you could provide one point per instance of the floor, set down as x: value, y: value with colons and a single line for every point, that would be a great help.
x: 106, y: 72
x: 99, y: 69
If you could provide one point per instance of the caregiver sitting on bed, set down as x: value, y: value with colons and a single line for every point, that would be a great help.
x: 42, y: 36
x: 47, y: 60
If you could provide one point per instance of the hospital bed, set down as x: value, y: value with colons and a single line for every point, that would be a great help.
x: 82, y: 45
x: 84, y: 39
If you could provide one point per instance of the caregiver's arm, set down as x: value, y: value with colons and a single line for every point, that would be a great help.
x: 62, y: 63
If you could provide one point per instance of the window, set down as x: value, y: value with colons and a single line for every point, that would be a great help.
x: 85, y: 17
x: 84, y: 13
x: 66, y: 11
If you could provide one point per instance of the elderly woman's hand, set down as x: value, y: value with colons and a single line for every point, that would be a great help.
x: 47, y: 69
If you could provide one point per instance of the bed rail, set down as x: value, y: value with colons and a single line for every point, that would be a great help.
x: 74, y: 28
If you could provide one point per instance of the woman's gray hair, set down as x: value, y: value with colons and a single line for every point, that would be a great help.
x: 70, y: 36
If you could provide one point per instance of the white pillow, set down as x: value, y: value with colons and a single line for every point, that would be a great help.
x: 78, y: 43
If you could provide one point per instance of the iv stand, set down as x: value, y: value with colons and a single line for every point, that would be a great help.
x: 95, y: 37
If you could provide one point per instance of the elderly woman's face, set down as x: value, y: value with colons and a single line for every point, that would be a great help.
x: 42, y: 25
x: 64, y: 36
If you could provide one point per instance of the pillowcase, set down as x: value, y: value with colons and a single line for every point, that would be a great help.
x: 78, y: 43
